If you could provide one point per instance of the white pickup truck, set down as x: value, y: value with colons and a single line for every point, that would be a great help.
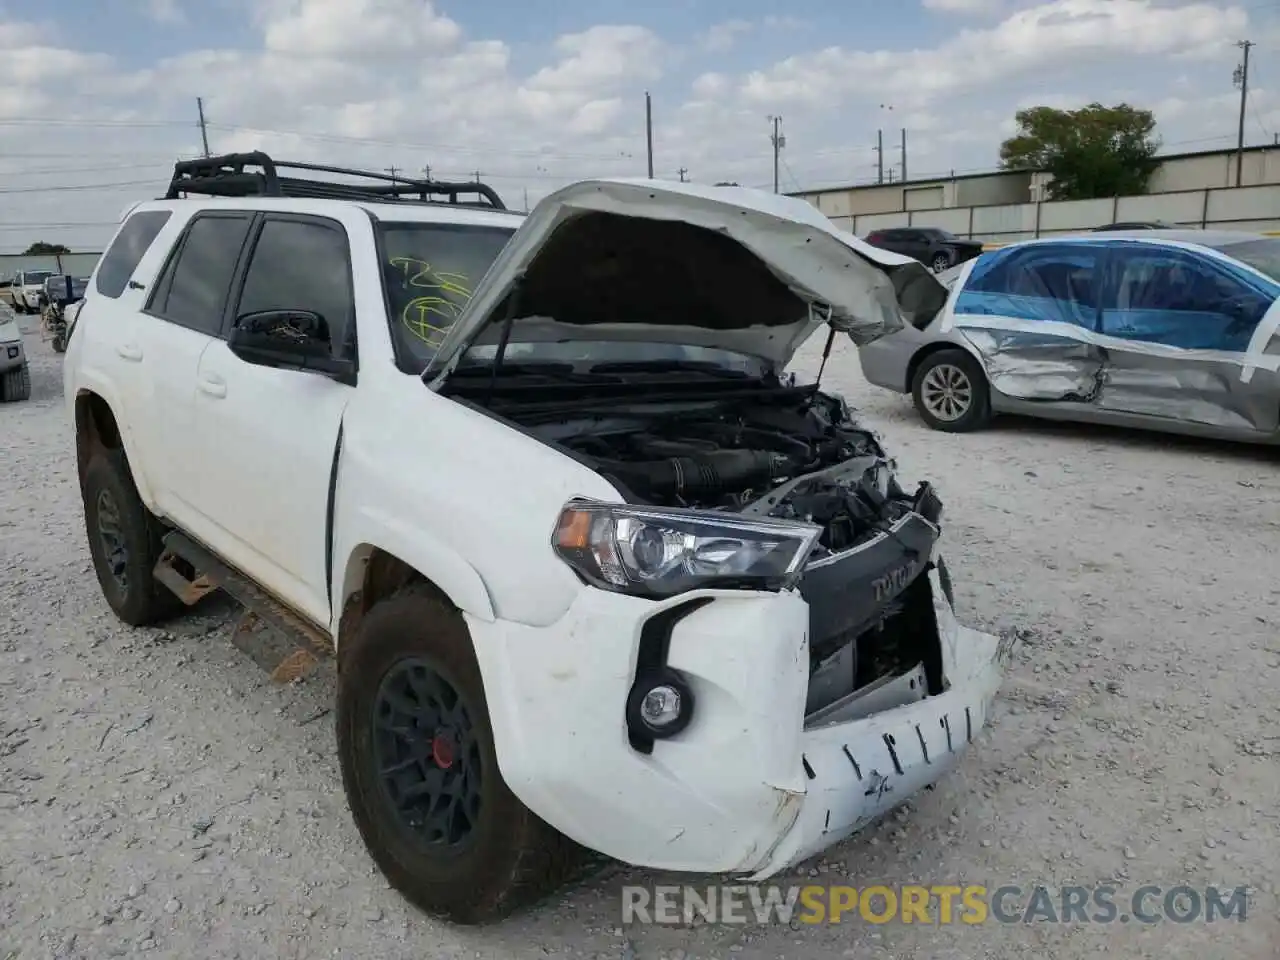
x: 596, y: 572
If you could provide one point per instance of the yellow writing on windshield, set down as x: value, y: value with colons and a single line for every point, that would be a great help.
x: 429, y: 315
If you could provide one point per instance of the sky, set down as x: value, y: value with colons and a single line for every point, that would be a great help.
x: 97, y: 101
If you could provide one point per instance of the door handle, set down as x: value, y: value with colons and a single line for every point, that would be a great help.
x: 213, y: 386
x: 129, y: 351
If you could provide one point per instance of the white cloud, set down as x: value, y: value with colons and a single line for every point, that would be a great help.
x: 963, y: 6
x: 380, y: 82
x: 722, y: 36
x: 357, y: 29
x: 1028, y: 43
x: 165, y: 11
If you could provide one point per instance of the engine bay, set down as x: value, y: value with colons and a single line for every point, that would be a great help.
x: 791, y: 453
x: 803, y: 458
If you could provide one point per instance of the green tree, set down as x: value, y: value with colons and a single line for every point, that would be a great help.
x: 41, y: 248
x: 1095, y: 151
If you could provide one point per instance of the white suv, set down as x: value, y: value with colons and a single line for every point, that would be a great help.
x: 597, y: 574
x: 26, y: 289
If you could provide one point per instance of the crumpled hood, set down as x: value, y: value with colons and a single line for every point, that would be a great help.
x: 715, y: 267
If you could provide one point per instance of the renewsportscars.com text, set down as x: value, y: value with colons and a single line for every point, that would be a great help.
x: 943, y: 904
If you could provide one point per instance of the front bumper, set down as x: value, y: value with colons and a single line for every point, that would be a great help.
x: 31, y: 298
x: 744, y: 789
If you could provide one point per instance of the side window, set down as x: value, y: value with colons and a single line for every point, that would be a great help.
x: 193, y: 290
x: 1179, y: 299
x: 127, y: 249
x: 303, y: 265
x: 1048, y: 282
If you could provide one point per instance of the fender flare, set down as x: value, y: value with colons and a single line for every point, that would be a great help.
x: 418, y: 548
x: 127, y: 441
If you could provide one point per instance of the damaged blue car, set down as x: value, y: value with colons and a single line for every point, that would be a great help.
x: 1173, y: 330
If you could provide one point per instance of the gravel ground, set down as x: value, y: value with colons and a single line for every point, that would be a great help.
x: 159, y: 795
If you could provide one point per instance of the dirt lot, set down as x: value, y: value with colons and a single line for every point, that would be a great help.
x: 158, y: 795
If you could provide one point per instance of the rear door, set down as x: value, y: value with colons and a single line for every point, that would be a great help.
x: 1177, y: 323
x: 269, y: 437
x: 185, y: 310
x: 1031, y: 314
x: 104, y: 352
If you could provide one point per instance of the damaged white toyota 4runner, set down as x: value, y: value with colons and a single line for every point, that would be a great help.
x: 606, y: 580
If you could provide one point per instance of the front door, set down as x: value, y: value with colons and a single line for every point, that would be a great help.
x: 272, y: 435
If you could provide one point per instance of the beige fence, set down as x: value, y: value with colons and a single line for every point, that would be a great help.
x: 1253, y: 209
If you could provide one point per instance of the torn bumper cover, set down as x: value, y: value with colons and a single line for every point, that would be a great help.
x: 745, y: 789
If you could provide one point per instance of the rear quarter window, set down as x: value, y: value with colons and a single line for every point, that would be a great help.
x: 128, y: 248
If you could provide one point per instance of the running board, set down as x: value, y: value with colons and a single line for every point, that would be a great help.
x: 288, y: 651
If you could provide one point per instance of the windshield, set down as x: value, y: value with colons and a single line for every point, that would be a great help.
x: 35, y: 276
x: 945, y: 235
x: 1263, y: 254
x: 429, y: 271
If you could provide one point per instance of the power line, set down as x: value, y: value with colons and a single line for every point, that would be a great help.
x: 81, y: 186
x: 36, y: 227
x: 45, y: 171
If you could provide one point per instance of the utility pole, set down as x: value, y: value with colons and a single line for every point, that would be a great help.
x: 1241, y: 79
x: 879, y: 156
x: 682, y: 172
x: 904, y: 154
x: 426, y: 171
x: 393, y: 171
x: 648, y: 129
x: 526, y: 199
x: 779, y: 141
x: 204, y: 132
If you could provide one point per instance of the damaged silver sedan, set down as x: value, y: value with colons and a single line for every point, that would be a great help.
x: 1173, y: 330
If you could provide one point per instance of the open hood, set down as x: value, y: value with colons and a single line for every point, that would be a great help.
x: 717, y: 267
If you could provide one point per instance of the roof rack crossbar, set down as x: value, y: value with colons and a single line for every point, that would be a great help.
x: 226, y: 176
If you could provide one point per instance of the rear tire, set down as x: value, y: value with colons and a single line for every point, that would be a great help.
x: 458, y: 843
x: 950, y: 392
x: 15, y: 385
x: 125, y: 542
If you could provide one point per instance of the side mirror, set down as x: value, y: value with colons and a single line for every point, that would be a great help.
x: 289, y: 340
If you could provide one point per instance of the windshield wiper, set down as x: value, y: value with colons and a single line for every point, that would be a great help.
x: 669, y: 366
x: 475, y: 369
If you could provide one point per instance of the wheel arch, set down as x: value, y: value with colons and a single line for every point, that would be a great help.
x: 928, y: 350
x: 97, y: 430
x: 372, y: 573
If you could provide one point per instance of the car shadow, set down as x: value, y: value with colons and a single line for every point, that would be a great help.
x: 1135, y: 438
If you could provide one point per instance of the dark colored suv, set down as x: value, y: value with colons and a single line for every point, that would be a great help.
x: 938, y: 248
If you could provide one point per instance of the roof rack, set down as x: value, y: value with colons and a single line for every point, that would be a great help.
x: 226, y: 176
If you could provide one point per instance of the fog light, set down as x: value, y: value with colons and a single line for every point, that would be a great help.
x: 660, y: 705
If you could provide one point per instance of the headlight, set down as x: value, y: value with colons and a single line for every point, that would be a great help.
x: 651, y: 552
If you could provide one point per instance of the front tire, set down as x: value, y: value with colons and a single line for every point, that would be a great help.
x: 940, y: 262
x: 950, y: 392
x: 421, y: 774
x: 125, y: 542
